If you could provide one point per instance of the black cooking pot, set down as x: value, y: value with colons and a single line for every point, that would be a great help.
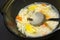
x: 10, y: 9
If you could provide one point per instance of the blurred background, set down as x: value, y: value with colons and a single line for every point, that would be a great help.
x: 6, y: 35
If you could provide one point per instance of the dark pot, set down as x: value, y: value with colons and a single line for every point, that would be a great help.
x: 10, y: 9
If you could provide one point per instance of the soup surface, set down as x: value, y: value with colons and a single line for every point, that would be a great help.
x: 31, y: 20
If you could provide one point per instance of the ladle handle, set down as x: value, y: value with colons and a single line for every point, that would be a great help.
x: 54, y: 19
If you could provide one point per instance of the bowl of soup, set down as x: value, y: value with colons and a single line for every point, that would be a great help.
x: 33, y: 20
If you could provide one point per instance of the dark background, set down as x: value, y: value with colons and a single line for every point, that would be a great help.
x: 6, y: 35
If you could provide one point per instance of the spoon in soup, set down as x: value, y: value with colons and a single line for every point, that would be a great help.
x: 39, y: 19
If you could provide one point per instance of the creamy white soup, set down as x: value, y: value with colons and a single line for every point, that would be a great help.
x: 31, y: 19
